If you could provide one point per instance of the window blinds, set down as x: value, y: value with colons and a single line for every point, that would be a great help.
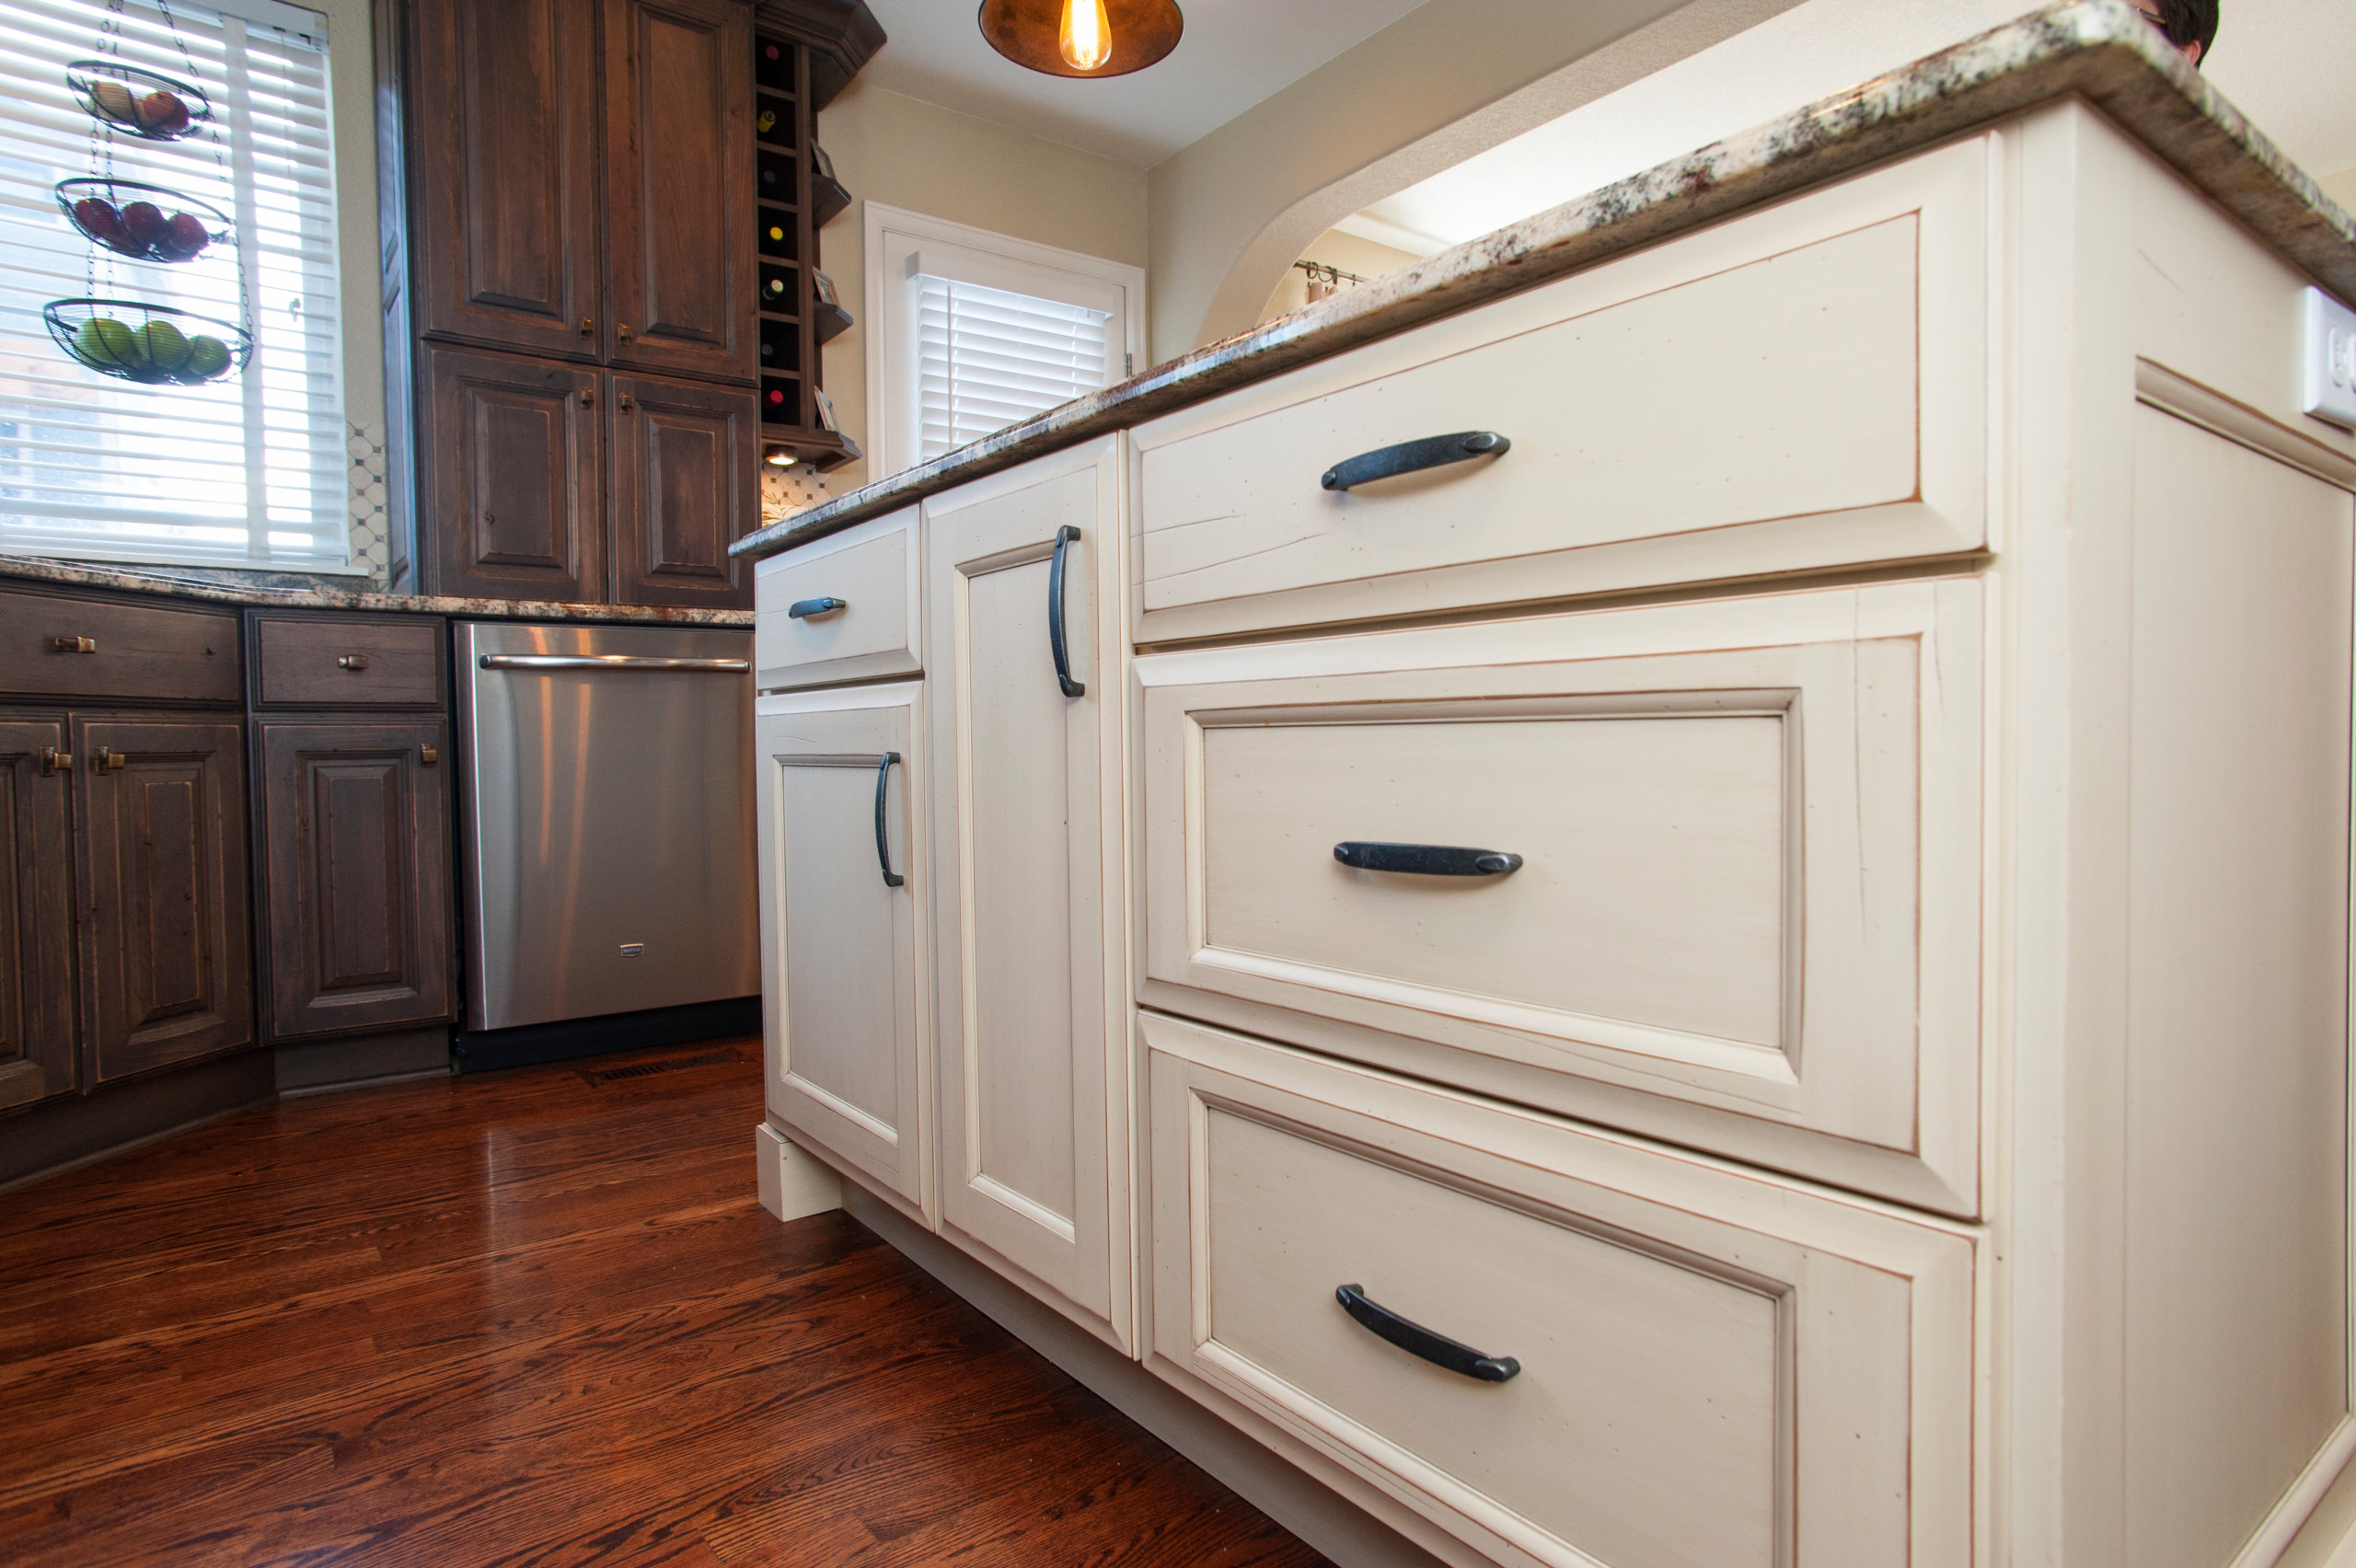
x: 248, y: 470
x: 988, y: 358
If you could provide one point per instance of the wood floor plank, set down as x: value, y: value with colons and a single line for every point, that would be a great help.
x: 534, y: 1318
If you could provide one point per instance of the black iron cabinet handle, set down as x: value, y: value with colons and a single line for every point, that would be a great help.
x: 1417, y: 1340
x: 1426, y: 860
x: 1412, y: 457
x: 827, y: 606
x: 882, y: 837
x: 1064, y: 536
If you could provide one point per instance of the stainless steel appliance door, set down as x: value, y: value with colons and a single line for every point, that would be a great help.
x: 609, y: 819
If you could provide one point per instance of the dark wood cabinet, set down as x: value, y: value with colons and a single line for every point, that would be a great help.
x: 353, y: 822
x: 683, y: 487
x: 679, y: 285
x: 165, y: 946
x: 511, y: 470
x: 505, y: 170
x: 36, y: 912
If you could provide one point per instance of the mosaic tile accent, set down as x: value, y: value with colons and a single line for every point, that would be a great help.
x: 785, y: 492
x: 368, y: 502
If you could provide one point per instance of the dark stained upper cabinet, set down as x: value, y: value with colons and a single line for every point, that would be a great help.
x: 167, y: 954
x: 510, y: 479
x: 503, y: 171
x: 36, y: 912
x: 354, y: 869
x: 684, y: 487
x: 679, y: 220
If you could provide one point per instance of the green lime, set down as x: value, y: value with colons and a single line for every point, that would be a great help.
x: 104, y: 343
x: 207, y: 357
x: 166, y: 346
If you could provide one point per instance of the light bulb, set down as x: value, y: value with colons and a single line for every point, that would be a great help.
x: 1087, y: 36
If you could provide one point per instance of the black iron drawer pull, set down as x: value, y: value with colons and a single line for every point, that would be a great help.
x: 1417, y: 1340
x: 1426, y: 860
x: 826, y: 606
x: 883, y: 837
x: 1412, y: 457
x: 1064, y: 536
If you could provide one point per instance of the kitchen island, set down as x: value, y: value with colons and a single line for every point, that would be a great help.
x: 1674, y: 889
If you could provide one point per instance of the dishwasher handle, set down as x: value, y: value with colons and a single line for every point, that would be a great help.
x: 611, y: 662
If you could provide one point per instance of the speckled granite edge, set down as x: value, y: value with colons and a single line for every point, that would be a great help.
x: 2102, y: 50
x: 212, y: 590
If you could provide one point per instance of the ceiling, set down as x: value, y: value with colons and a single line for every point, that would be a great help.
x: 1234, y: 54
x: 2283, y: 63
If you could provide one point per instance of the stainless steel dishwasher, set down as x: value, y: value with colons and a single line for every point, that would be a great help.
x: 607, y: 819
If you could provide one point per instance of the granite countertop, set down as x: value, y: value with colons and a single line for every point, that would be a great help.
x: 2101, y: 50
x: 289, y: 591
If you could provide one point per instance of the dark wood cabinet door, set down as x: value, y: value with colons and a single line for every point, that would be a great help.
x: 684, y: 486
x: 679, y: 285
x: 36, y: 913
x: 354, y: 826
x: 503, y: 172
x: 166, y: 941
x: 511, y: 465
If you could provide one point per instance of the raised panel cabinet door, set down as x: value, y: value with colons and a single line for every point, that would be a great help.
x: 354, y: 826
x: 505, y: 170
x: 36, y: 913
x: 1031, y: 1014
x: 846, y: 992
x: 679, y: 290
x: 166, y: 941
x: 684, y: 485
x: 511, y: 466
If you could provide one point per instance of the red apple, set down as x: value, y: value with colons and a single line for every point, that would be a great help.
x: 98, y: 219
x: 184, y: 236
x: 145, y: 223
x: 163, y: 111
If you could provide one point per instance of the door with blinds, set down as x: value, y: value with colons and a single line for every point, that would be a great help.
x: 250, y: 468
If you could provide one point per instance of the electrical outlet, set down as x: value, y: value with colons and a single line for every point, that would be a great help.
x: 2331, y: 360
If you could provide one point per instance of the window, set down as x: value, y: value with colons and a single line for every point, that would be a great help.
x: 975, y: 331
x: 248, y: 470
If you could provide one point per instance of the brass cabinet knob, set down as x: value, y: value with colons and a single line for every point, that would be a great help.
x: 356, y: 662
x: 428, y: 755
x: 588, y: 326
x: 111, y: 761
x: 587, y: 397
x: 622, y: 332
x: 625, y: 404
x: 55, y: 761
x: 75, y: 644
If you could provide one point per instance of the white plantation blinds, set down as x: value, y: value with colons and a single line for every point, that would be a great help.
x: 248, y: 471
x: 988, y: 358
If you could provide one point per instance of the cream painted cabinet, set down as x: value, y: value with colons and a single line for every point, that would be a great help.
x: 846, y: 989
x: 1030, y: 989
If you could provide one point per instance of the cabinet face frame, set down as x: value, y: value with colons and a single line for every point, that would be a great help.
x: 300, y: 874
x: 1823, y: 1254
x: 1828, y: 1105
x: 847, y: 730
x: 37, y: 1057
x: 1080, y: 1264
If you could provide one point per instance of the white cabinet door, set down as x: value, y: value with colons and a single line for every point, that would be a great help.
x: 846, y: 992
x: 1031, y: 1000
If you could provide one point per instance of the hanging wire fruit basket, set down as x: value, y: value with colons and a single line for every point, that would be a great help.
x: 152, y: 344
x: 146, y: 222
x: 141, y: 103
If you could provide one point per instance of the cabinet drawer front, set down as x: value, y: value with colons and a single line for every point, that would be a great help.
x: 347, y: 662
x: 61, y: 645
x: 1799, y: 389
x: 844, y: 992
x: 1712, y: 1367
x: 1741, y: 909
x: 872, y: 570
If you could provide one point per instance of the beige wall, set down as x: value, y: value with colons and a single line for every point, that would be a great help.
x: 1347, y: 251
x: 906, y: 152
x: 1451, y: 78
x: 2340, y: 188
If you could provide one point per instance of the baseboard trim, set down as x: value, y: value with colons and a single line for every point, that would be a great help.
x: 478, y: 1050
x: 1326, y: 1520
x: 42, y: 1141
x: 316, y: 1067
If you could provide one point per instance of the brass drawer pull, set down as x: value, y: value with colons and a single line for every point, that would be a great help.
x: 427, y: 757
x: 55, y: 761
x: 353, y: 662
x: 111, y: 761
x: 75, y: 644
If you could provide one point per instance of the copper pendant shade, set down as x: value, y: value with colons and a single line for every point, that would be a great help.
x: 1029, y: 31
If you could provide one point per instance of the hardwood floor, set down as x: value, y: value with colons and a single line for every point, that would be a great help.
x: 536, y: 1316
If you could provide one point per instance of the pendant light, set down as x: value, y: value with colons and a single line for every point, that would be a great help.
x: 1082, y: 37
